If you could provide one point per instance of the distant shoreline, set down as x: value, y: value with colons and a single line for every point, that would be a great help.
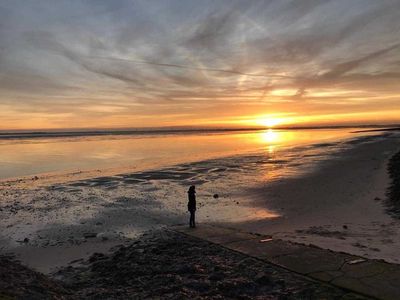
x: 56, y: 134
x: 26, y: 134
x: 380, y: 129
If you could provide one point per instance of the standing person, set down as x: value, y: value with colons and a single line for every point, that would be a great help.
x: 192, y: 205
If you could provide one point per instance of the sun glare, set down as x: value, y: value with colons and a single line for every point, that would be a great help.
x: 270, y: 136
x: 270, y: 122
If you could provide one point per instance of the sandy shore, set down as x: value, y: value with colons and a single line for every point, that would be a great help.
x: 328, y: 194
x: 341, y: 205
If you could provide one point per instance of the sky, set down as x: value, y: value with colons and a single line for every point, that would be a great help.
x: 127, y: 63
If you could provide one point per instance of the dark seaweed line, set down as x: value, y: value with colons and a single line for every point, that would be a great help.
x: 393, y: 192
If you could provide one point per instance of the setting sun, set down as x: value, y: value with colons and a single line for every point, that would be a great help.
x: 271, y: 122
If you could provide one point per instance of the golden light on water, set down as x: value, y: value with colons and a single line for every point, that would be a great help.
x: 270, y: 136
x: 270, y: 139
x: 273, y: 138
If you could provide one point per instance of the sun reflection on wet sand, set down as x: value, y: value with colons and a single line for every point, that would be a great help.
x: 271, y: 149
x: 239, y: 213
x: 261, y: 213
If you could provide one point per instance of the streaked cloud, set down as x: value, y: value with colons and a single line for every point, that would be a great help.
x: 154, y: 63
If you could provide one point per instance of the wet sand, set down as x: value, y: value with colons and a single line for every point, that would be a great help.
x: 332, y: 198
x: 340, y: 206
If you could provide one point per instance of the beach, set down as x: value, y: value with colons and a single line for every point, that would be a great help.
x: 272, y: 125
x: 342, y: 205
x: 330, y: 194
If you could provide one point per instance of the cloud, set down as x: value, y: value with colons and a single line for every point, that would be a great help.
x: 348, y: 66
x: 156, y: 57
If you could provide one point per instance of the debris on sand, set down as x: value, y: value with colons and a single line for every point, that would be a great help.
x: 356, y: 261
x: 266, y: 240
x: 89, y: 235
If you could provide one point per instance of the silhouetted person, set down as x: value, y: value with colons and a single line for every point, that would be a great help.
x: 192, y: 205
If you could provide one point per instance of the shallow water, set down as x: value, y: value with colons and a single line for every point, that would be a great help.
x: 30, y: 156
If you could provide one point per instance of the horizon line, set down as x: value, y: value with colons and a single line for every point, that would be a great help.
x: 9, y: 133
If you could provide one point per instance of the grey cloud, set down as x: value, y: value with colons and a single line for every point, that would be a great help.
x: 348, y: 66
x: 337, y: 75
x: 213, y: 31
x: 168, y: 53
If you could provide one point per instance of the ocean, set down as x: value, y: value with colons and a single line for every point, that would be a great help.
x: 33, y: 153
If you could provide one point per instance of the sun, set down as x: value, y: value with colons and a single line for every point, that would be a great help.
x: 267, y: 120
x: 270, y: 122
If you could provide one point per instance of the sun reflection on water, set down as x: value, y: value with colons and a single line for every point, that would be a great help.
x: 271, y: 139
x: 270, y: 136
x: 24, y: 157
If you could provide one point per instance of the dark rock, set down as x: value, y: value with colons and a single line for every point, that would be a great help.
x: 198, y: 286
x: 216, y: 196
x: 216, y: 276
x: 183, y: 269
x: 89, y: 235
x: 97, y: 256
x: 263, y: 279
x: 280, y: 282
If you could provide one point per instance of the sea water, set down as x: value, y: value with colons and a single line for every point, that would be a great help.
x: 28, y: 154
